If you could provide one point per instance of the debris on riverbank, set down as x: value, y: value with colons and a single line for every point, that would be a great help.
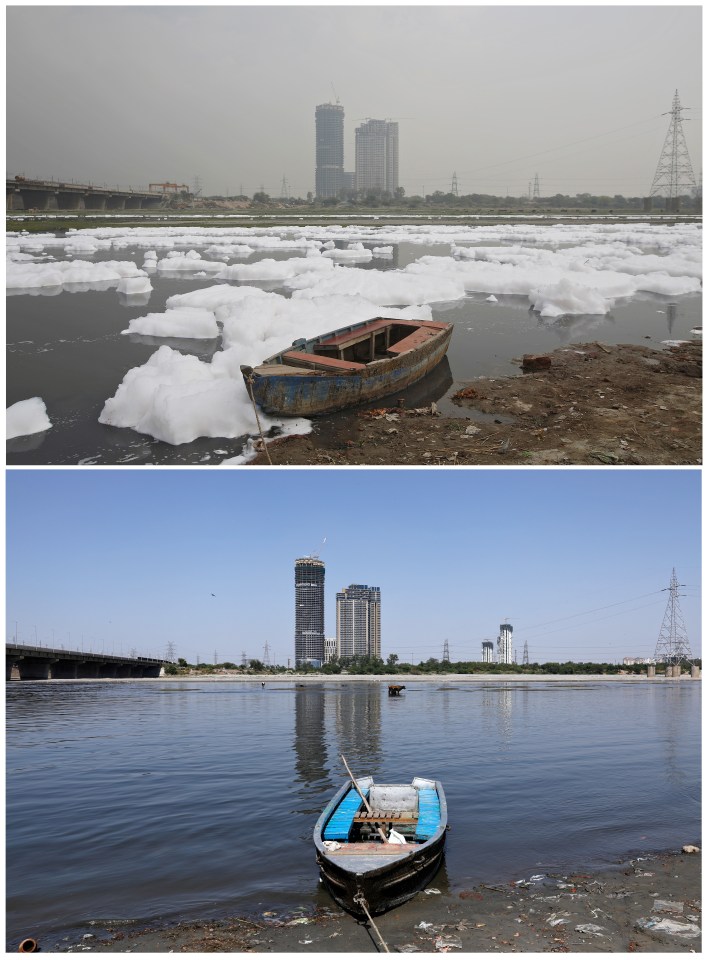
x: 649, y: 904
x: 581, y: 404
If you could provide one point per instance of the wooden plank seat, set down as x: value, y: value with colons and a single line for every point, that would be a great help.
x: 378, y: 816
x: 320, y: 363
x: 349, y: 337
x: 371, y: 849
x: 415, y: 339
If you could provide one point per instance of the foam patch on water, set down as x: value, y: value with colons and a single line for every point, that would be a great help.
x: 178, y: 398
x: 25, y: 276
x: 276, y: 269
x: 190, y: 322
x: 26, y: 417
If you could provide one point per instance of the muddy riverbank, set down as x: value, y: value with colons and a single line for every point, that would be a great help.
x: 648, y: 904
x: 591, y: 404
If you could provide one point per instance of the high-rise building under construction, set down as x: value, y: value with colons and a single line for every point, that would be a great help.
x: 329, y: 150
x: 377, y: 156
x: 309, y: 575
x: 505, y: 643
x: 358, y: 621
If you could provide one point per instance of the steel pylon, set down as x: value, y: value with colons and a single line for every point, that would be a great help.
x: 673, y: 643
x: 674, y: 175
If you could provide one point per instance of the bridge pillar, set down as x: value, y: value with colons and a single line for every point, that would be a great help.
x: 64, y: 670
x: 86, y: 669
x: 34, y: 199
x: 34, y: 668
x: 115, y: 203
x: 13, y: 200
x: 10, y: 662
x: 94, y: 201
x: 133, y: 203
x: 68, y: 200
x: 107, y: 671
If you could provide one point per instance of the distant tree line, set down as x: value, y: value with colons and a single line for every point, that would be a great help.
x: 376, y: 666
x: 586, y: 202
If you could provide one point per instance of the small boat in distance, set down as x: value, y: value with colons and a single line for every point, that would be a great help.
x: 379, y: 844
x: 356, y: 364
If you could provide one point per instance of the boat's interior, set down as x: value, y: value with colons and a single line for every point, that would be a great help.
x: 352, y: 349
x: 412, y: 811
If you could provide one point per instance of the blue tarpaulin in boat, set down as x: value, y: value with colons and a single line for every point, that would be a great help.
x: 339, y: 826
x: 429, y: 814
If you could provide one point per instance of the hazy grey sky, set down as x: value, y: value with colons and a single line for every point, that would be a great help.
x: 131, y: 94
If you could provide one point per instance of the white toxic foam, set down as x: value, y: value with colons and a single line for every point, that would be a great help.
x: 26, y: 417
x: 276, y: 269
x: 177, y: 398
x: 190, y: 322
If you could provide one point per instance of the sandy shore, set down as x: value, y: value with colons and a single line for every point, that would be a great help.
x: 648, y: 904
x: 408, y: 680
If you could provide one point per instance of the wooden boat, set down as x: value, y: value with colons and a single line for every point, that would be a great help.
x: 355, y: 364
x: 365, y: 873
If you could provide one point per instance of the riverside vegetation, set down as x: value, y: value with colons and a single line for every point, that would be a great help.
x: 376, y: 666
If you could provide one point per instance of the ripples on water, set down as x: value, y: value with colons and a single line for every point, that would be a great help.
x: 173, y: 799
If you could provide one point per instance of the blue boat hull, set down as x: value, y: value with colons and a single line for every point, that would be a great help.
x: 308, y: 393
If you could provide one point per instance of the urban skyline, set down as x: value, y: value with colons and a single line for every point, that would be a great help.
x: 602, y: 547
x: 472, y: 94
x: 376, y: 163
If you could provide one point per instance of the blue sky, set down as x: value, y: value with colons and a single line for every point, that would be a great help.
x: 577, y: 560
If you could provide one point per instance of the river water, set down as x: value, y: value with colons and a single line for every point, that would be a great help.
x: 68, y: 349
x: 165, y: 800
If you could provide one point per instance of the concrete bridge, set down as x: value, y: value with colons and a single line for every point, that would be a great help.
x: 23, y: 194
x: 43, y: 663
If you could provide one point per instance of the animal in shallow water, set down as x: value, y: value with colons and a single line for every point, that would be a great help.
x: 394, y: 689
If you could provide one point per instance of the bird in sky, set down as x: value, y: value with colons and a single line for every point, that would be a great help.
x: 213, y: 594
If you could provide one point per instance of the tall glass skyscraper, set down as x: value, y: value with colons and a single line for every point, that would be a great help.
x: 358, y: 621
x: 329, y: 150
x: 309, y: 611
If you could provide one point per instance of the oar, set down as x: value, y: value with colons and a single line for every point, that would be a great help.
x: 362, y: 796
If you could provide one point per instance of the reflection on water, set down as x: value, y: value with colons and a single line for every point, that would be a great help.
x: 329, y: 716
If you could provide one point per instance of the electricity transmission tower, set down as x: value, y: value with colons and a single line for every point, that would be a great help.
x: 674, y: 175
x: 446, y: 657
x: 284, y: 189
x: 525, y: 656
x: 535, y: 192
x: 454, y: 184
x: 673, y: 643
x: 244, y: 659
x: 266, y: 655
x: 170, y: 655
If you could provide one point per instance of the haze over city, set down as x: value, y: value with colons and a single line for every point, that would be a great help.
x: 494, y: 94
x: 578, y: 561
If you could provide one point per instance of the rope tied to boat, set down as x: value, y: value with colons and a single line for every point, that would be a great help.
x: 249, y: 378
x: 361, y: 901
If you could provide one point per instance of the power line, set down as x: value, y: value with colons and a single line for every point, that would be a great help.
x: 593, y: 610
